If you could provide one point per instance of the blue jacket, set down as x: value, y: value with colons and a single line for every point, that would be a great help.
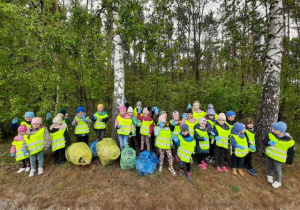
x: 187, y: 138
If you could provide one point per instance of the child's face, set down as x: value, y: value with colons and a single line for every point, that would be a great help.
x: 36, y: 125
x: 231, y: 118
x: 196, y: 106
x: 100, y: 110
x: 176, y: 117
x: 138, y: 107
x: 250, y: 125
x: 189, y: 115
x: 28, y: 119
x: 202, y: 125
x: 22, y: 133
x: 122, y: 112
x: 276, y: 132
x: 184, y: 132
x: 56, y: 124
x: 130, y: 114
x: 81, y: 113
x: 221, y: 121
x: 211, y: 117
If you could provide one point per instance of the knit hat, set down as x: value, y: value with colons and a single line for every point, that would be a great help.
x: 130, y: 109
x: 63, y: 111
x: 230, y: 113
x: 175, y: 113
x: 139, y: 104
x: 202, y: 120
x: 221, y: 116
x: 189, y: 110
x: 211, y: 112
x: 185, y: 127
x: 237, y: 128
x: 162, y: 112
x: 22, y: 129
x: 146, y: 111
x: 122, y: 108
x: 280, y: 126
x: 57, y: 120
x: 80, y: 109
x: 61, y: 115
x: 29, y: 114
x: 36, y: 120
x: 162, y: 118
x: 248, y: 120
x: 210, y: 106
x: 100, y: 106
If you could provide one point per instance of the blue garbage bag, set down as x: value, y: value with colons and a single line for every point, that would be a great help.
x: 93, y: 148
x: 146, y: 163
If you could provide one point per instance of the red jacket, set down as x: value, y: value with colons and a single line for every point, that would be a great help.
x: 144, y: 118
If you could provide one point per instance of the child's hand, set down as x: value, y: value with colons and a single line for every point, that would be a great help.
x: 184, y: 116
x: 77, y: 121
x: 15, y: 120
x: 189, y: 106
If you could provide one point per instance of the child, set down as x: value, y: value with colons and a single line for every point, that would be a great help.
x: 146, y: 128
x: 164, y: 143
x: 280, y: 149
x: 100, y: 118
x: 239, y: 148
x: 132, y: 135
x: 187, y: 118
x: 250, y: 135
x: 174, y: 125
x: 210, y: 125
x: 60, y: 138
x: 221, y: 132
x: 211, y: 107
x: 202, y: 142
x: 81, y: 124
x: 197, y: 112
x: 124, y: 127
x: 16, y: 151
x: 65, y: 117
x: 36, y: 140
x: 186, y: 147
x: 28, y: 117
x: 138, y: 108
x: 230, y: 118
x: 48, y: 120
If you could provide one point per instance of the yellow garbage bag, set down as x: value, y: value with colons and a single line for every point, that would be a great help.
x: 108, y: 151
x: 79, y: 153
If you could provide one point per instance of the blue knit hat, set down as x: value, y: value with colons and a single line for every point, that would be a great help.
x: 211, y: 112
x: 185, y: 127
x: 280, y: 126
x: 29, y: 114
x: 230, y: 113
x: 80, y: 109
x: 237, y: 128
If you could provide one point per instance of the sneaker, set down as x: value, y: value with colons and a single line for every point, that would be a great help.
x: 276, y: 184
x: 172, y: 171
x: 180, y: 172
x: 224, y: 169
x: 31, y: 173
x: 210, y: 160
x: 219, y: 169
x: 270, y: 179
x: 21, y: 170
x: 203, y: 163
x: 252, y: 172
x: 160, y: 168
x: 202, y: 166
x: 27, y: 169
x: 40, y: 171
x: 189, y: 176
x: 207, y: 158
x: 177, y: 159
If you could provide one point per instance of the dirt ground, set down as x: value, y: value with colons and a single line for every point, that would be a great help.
x: 108, y: 187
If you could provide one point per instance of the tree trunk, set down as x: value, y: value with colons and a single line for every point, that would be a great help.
x: 269, y: 104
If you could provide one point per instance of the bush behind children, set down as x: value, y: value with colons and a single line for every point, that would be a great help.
x: 212, y: 138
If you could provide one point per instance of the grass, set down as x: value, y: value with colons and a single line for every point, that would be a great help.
x: 234, y: 188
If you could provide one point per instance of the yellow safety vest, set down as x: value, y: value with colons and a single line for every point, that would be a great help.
x: 145, y: 129
x: 36, y: 141
x: 251, y: 137
x: 164, y: 139
x: 185, y: 150
x: 204, y: 145
x: 230, y: 126
x: 177, y: 129
x: 191, y: 126
x: 98, y: 124
x: 212, y: 123
x: 279, y: 151
x: 243, y: 142
x: 19, y: 152
x: 198, y: 115
x: 224, y: 136
x: 25, y: 123
x: 125, y: 126
x: 135, y: 113
x: 82, y: 127
x: 58, y: 140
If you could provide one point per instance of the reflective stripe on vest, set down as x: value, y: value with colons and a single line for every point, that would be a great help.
x: 185, y: 150
x: 251, y: 137
x: 224, y: 135
x: 279, y: 151
x: 204, y: 145
x: 19, y: 152
x: 177, y: 129
x: 36, y: 141
x: 82, y: 127
x: 164, y: 139
x: 191, y: 127
x: 135, y: 113
x: 125, y: 126
x: 25, y: 123
x: 58, y: 140
x: 197, y: 116
x: 98, y: 124
x: 243, y: 142
x: 145, y: 128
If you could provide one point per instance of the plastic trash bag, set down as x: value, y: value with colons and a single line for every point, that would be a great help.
x: 146, y: 163
x: 93, y: 148
x: 79, y: 154
x: 128, y: 158
x: 108, y: 151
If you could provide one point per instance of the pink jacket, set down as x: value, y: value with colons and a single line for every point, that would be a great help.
x: 125, y: 117
x: 13, y: 148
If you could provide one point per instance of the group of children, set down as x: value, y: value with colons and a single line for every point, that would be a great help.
x: 210, y: 137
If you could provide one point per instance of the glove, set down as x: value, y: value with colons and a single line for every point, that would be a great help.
x: 83, y: 118
x: 15, y: 120
x: 12, y: 154
x: 119, y: 126
x: 175, y: 138
x: 140, y: 110
x: 154, y: 108
x: 240, y: 146
x: 212, y: 133
x: 272, y: 143
x: 94, y: 117
x: 173, y: 123
x: 124, y: 99
x: 189, y: 106
x: 217, y: 138
x: 48, y: 115
x: 184, y: 116
x: 25, y: 152
x: 160, y: 124
x: 252, y: 147
x: 205, y: 138
x: 156, y: 111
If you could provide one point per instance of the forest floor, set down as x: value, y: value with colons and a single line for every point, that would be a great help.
x: 108, y: 187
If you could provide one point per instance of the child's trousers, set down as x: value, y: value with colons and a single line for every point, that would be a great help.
x: 84, y: 139
x: 219, y: 156
x: 60, y: 153
x: 248, y: 160
x: 123, y: 140
x: 274, y: 166
x: 100, y: 133
x: 162, y: 153
x: 188, y: 166
x: 38, y: 156
x: 143, y: 140
x: 236, y: 162
x: 25, y: 163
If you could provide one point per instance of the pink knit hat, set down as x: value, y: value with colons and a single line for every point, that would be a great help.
x: 145, y: 111
x: 162, y: 118
x: 22, y: 129
x: 123, y: 108
x: 222, y: 116
x: 37, y: 120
